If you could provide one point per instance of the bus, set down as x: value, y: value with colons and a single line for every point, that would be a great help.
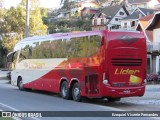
x: 92, y: 64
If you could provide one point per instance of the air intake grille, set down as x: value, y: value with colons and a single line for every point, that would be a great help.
x: 126, y: 62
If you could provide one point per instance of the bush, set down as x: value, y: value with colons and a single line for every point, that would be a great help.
x: 152, y: 77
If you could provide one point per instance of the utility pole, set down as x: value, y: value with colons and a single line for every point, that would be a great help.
x: 27, y: 19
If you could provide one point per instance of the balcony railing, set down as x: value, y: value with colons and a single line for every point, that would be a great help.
x: 153, y: 47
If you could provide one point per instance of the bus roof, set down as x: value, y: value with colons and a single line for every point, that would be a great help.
x: 72, y: 34
x: 58, y: 35
x: 61, y: 35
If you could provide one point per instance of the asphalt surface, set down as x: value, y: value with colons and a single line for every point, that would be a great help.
x: 11, y: 99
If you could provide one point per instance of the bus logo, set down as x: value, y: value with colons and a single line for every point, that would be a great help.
x: 126, y: 71
x: 127, y: 39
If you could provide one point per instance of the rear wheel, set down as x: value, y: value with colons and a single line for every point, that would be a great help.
x: 65, y: 90
x: 20, y: 84
x: 76, y: 92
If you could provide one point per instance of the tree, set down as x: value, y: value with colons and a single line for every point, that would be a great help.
x: 13, y: 27
x: 1, y: 3
x: 33, y: 3
x: 67, y: 4
x: 36, y: 24
x: 44, y: 15
x: 69, y: 26
x: 16, y: 19
x: 2, y: 22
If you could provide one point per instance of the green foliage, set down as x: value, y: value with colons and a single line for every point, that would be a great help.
x: 67, y: 4
x: 36, y: 24
x: 69, y: 26
x: 33, y: 3
x: 12, y: 25
x: 15, y: 19
x: 12, y: 28
x: 9, y: 42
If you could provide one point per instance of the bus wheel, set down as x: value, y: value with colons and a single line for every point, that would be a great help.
x: 65, y: 90
x: 76, y: 92
x: 20, y: 84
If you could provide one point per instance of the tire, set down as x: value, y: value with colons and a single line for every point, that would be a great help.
x: 76, y: 94
x: 20, y: 84
x: 64, y: 91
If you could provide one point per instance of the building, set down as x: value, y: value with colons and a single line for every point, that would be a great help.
x: 132, y: 4
x: 150, y: 25
x: 87, y: 11
x: 154, y: 26
x: 78, y: 6
x: 158, y: 5
x: 109, y: 17
x: 131, y: 21
x: 62, y: 15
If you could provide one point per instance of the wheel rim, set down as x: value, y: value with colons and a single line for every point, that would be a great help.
x: 64, y: 90
x: 76, y: 92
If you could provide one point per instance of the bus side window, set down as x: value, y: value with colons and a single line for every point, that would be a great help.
x: 35, y: 50
x: 45, y: 49
x: 15, y: 56
x: 85, y: 46
x: 71, y: 47
x: 24, y: 53
x: 21, y: 57
x: 58, y: 48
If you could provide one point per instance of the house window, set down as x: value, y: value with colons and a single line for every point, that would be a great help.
x: 116, y: 19
x: 121, y: 13
x: 95, y: 21
x: 133, y: 23
x: 102, y: 21
x: 125, y: 25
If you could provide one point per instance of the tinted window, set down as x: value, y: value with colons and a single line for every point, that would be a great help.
x: 75, y: 47
x: 25, y: 53
x: 58, y: 48
x: 83, y: 46
x: 45, y: 49
x: 36, y: 50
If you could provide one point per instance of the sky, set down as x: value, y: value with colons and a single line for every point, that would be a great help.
x: 43, y: 3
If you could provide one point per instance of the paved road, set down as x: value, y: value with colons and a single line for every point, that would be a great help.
x: 11, y: 99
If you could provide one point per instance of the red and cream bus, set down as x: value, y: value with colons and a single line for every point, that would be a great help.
x: 94, y: 64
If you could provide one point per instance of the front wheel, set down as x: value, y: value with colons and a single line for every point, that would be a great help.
x: 20, y: 84
x: 76, y: 92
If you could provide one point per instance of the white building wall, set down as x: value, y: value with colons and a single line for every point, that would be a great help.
x: 123, y: 26
x: 113, y: 21
x: 156, y: 35
x: 99, y: 21
x: 152, y: 3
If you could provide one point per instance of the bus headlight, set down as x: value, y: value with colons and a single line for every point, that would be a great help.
x: 105, y: 82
